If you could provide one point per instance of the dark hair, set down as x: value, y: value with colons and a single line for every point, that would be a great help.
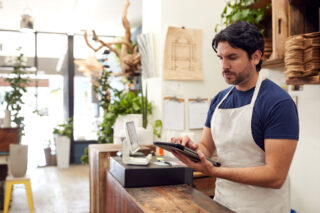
x: 241, y: 35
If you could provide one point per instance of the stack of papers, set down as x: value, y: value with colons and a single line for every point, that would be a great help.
x: 145, y: 44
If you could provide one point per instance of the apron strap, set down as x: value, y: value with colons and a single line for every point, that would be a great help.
x: 256, y: 91
x: 224, y: 97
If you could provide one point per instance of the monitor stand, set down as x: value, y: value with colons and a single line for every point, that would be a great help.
x: 137, y: 154
x: 127, y: 159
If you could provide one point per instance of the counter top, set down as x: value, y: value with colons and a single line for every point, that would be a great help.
x: 158, y: 199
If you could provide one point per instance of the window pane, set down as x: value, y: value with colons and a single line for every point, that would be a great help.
x: 87, y: 114
x: 11, y: 41
x: 43, y: 113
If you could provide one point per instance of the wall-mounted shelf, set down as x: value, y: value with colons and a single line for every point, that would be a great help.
x: 305, y: 80
x: 273, y: 63
x: 291, y: 17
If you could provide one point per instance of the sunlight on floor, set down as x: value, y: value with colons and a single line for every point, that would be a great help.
x: 55, y: 190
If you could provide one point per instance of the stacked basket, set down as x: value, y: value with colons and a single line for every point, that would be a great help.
x: 302, y: 56
x: 267, y: 48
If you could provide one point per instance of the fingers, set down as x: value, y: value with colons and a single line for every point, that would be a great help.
x: 201, y: 156
x: 185, y: 141
x: 175, y: 140
x: 194, y: 146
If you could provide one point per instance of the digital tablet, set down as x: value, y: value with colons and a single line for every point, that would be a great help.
x: 184, y: 150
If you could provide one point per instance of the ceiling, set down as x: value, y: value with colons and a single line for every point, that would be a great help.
x: 71, y: 16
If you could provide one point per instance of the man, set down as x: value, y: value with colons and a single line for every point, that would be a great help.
x: 253, y: 126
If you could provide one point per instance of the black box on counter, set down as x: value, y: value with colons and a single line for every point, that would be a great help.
x: 154, y: 174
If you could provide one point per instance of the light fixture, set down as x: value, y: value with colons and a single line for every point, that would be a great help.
x: 26, y: 22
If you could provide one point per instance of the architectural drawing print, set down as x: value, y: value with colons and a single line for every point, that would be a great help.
x: 182, y: 58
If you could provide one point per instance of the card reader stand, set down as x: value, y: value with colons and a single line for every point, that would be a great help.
x: 127, y: 159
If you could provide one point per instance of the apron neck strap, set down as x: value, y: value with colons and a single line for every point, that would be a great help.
x: 256, y: 90
x: 225, y: 97
x: 255, y: 94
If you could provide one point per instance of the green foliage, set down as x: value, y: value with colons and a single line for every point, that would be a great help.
x: 64, y: 129
x: 18, y: 82
x: 239, y: 10
x: 85, y: 158
x: 157, y: 128
x: 144, y: 108
x: 124, y: 103
x: 102, y: 89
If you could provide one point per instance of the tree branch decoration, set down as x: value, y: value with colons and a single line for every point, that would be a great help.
x: 128, y: 55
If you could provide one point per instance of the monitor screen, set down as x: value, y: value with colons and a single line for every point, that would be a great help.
x: 132, y: 136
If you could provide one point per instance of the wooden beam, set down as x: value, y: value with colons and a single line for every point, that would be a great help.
x: 41, y: 83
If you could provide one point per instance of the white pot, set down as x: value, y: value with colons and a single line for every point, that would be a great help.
x: 63, y: 151
x: 7, y: 119
x: 18, y: 160
x: 145, y: 135
x: 118, y: 130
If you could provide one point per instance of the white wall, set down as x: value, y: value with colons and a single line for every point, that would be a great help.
x: 193, y: 14
x: 204, y: 14
x: 305, y: 171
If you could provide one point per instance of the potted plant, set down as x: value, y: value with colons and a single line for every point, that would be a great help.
x: 124, y: 106
x: 18, y: 81
x: 62, y: 136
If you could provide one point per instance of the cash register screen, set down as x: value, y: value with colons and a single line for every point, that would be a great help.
x: 132, y: 136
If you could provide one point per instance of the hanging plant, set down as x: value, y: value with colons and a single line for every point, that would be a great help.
x: 240, y: 10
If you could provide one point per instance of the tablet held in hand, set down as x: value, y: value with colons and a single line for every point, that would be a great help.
x: 184, y: 150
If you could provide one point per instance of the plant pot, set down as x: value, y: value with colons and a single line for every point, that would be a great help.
x: 63, y: 151
x: 145, y: 135
x: 7, y: 119
x: 18, y: 160
x: 119, y: 130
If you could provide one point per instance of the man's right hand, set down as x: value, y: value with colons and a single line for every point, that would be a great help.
x: 185, y: 141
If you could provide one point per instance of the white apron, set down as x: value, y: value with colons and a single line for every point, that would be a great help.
x: 231, y: 132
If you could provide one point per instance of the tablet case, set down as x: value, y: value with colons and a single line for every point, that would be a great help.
x: 150, y: 175
x: 185, y: 150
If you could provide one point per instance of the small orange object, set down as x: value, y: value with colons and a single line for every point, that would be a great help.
x: 161, y: 152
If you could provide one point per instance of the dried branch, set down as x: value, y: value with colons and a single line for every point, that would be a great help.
x: 128, y: 55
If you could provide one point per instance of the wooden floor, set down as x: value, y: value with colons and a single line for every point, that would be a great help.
x: 55, y: 191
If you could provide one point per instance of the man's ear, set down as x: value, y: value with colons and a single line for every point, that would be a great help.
x: 256, y: 56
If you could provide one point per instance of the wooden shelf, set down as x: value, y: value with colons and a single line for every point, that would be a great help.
x: 305, y: 80
x: 273, y: 63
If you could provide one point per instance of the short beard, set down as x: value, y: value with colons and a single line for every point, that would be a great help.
x: 241, y: 77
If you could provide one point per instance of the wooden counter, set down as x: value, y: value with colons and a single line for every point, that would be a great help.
x: 158, y: 199
x: 99, y: 155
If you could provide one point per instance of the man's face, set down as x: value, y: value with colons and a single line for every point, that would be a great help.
x: 237, y: 69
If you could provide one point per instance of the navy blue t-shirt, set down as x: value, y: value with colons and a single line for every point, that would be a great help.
x: 274, y: 115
